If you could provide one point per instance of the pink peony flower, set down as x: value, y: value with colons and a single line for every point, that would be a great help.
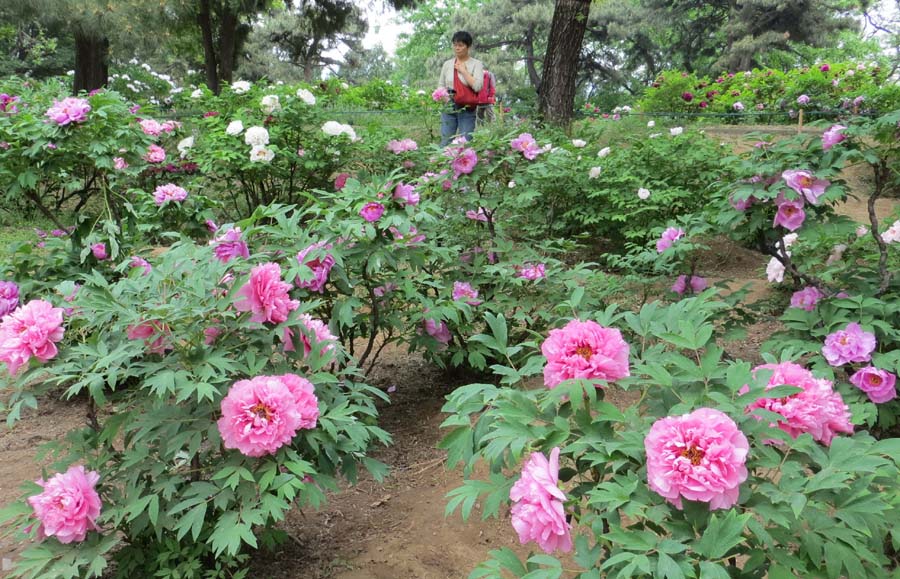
x: 317, y: 329
x: 669, y: 236
x: 151, y: 127
x: 229, y: 245
x: 210, y: 334
x: 137, y: 261
x: 738, y: 106
x: 852, y: 344
x: 406, y: 195
x: 168, y: 192
x: 30, y: 331
x: 538, y: 514
x: 68, y: 505
x: 99, y: 251
x: 119, y: 163
x: 687, y: 97
x: 833, y: 136
x: 807, y: 298
x: 790, y: 214
x: 147, y: 330
x: 879, y: 386
x: 305, y: 398
x: 372, y: 211
x: 584, y: 350
x: 438, y: 330
x: 320, y: 266
x: 804, y: 183
x: 411, y: 238
x: 340, y: 181
x: 892, y: 233
x: 385, y: 289
x: 697, y: 284
x: 825, y: 68
x: 803, y: 99
x: 463, y: 290
x: 479, y: 215
x: 69, y: 110
x: 402, y: 146
x: 818, y: 409
x: 699, y: 457
x: 465, y: 162
x: 532, y: 271
x: 526, y: 145
x: 211, y: 226
x: 440, y: 95
x: 9, y: 297
x: 155, y: 154
x: 262, y: 414
x: 266, y: 296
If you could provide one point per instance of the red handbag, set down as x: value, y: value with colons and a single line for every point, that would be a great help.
x: 464, y: 96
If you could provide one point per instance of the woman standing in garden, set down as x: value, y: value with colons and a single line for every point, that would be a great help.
x: 463, y: 77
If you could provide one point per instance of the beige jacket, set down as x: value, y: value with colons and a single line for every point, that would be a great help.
x: 473, y: 65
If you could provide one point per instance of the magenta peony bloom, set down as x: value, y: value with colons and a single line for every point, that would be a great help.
x: 669, y: 236
x: 155, y: 154
x: 99, y: 251
x: 584, y: 350
x: 210, y: 334
x: 137, y: 261
x: 852, y: 344
x: 229, y: 245
x: 315, y: 328
x: 69, y: 110
x: 320, y: 266
x: 440, y: 94
x: 699, y: 457
x: 406, y: 194
x: 818, y: 409
x: 465, y: 162
x: 8, y: 104
x: 372, y: 211
x: 9, y: 297
x: 532, y: 271
x: 697, y: 284
x: 412, y: 238
x: 825, y: 68
x: 688, y: 97
x: 168, y: 192
x: 790, y: 214
x: 340, y: 181
x: 804, y: 183
x: 807, y: 298
x: 262, y: 414
x: 833, y: 136
x: 68, y: 505
x: 146, y: 331
x: 538, y: 514
x: 879, y: 386
x: 437, y: 330
x: 462, y: 290
x: 266, y: 296
x: 30, y: 331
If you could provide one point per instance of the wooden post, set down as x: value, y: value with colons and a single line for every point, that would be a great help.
x: 800, y: 122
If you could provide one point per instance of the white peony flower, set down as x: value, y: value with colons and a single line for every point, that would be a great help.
x: 643, y: 193
x: 603, y: 152
x: 578, y: 143
x: 235, y: 128
x: 345, y: 86
x: 837, y: 253
x: 256, y: 136
x: 511, y: 184
x: 675, y: 131
x: 775, y: 271
x: 655, y: 135
x: 594, y: 172
x: 306, y: 96
x: 892, y: 234
x: 269, y: 104
x: 421, y: 92
x: 184, y: 145
x: 261, y: 154
x: 861, y: 230
x: 240, y: 86
x: 651, y: 124
x: 335, y: 129
x: 790, y: 239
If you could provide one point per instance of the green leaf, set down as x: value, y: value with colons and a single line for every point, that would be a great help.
x: 722, y: 534
x: 668, y: 568
x: 712, y: 571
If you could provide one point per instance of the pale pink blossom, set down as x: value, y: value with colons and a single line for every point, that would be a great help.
x: 584, y: 350
x: 230, y: 245
x: 465, y: 292
x: 532, y: 271
x: 30, y: 331
x: 320, y: 265
x: 806, y: 184
x: 837, y: 253
x: 210, y: 334
x: 155, y: 154
x: 833, y: 136
x: 852, y: 344
x: 262, y: 414
x: 151, y: 127
x: 465, y: 162
x: 699, y: 456
x: 526, y: 145
x: 440, y: 95
x: 154, y: 333
x: 538, y: 514
x: 265, y: 295
x: 69, y: 110
x: 438, y: 330
x: 169, y: 192
x: 775, y: 270
x: 406, y: 194
x: 402, y: 146
x: 68, y: 506
x: 372, y: 211
x: 669, y: 237
x: 119, y: 164
x: 643, y: 194
x: 479, y: 215
x: 816, y: 409
x: 411, y: 238
x: 340, y: 181
x: 807, y: 298
x: 879, y: 386
x: 892, y: 234
x: 305, y: 397
x: 324, y: 340
x: 9, y: 297
x: 138, y: 261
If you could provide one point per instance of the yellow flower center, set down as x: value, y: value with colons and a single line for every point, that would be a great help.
x: 693, y: 454
x: 584, y: 351
x: 261, y: 411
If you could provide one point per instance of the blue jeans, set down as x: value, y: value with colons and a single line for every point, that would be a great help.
x: 460, y: 122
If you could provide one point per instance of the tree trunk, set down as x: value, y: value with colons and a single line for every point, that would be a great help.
x: 529, y: 60
x: 556, y: 100
x: 227, y: 43
x: 204, y: 19
x: 91, y: 62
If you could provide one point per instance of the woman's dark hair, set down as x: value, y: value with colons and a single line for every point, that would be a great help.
x: 462, y: 36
